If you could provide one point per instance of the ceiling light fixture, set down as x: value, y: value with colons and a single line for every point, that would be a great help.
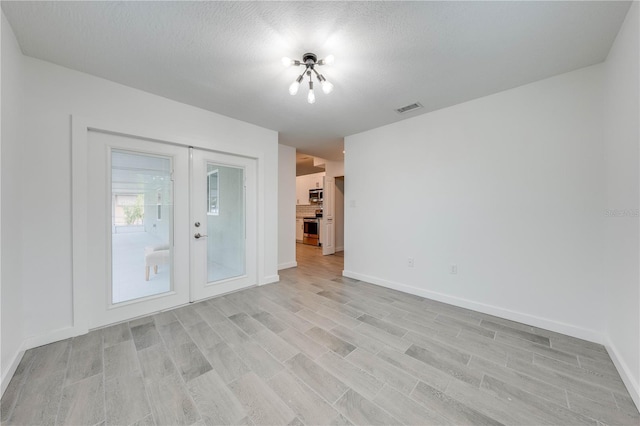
x: 310, y: 60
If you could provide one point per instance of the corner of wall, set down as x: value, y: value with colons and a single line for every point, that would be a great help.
x: 34, y: 342
x: 287, y: 265
x: 12, y: 344
x: 10, y: 371
x: 626, y: 375
x: 621, y: 111
x: 269, y: 279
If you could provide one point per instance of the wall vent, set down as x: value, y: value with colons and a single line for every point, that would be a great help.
x: 408, y: 108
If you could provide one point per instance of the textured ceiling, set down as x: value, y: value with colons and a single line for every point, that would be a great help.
x: 225, y: 56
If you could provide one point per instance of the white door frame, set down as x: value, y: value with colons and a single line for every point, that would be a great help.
x: 80, y: 126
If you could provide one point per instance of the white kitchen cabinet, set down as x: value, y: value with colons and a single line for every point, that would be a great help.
x: 302, y: 191
x: 299, y: 229
x: 315, y: 180
x: 304, y: 184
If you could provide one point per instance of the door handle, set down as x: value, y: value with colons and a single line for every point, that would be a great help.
x: 197, y: 236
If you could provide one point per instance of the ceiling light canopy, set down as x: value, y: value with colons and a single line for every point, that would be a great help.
x: 310, y: 61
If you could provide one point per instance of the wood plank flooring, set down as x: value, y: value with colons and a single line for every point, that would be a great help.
x: 318, y: 349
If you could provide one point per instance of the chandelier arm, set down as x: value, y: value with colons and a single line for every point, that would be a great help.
x: 303, y: 73
x: 319, y: 76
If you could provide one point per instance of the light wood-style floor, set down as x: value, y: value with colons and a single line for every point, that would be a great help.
x: 318, y: 349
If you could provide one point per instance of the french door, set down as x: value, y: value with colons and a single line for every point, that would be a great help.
x: 224, y: 222
x: 168, y: 225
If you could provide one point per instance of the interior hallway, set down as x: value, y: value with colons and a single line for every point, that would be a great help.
x: 318, y: 349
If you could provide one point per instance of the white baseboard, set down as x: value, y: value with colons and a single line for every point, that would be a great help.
x: 547, y: 324
x: 287, y: 265
x: 53, y: 336
x: 339, y: 248
x: 630, y: 382
x: 13, y: 366
x: 623, y: 369
x: 270, y: 279
x: 34, y: 342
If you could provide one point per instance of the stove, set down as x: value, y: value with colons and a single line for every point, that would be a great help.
x: 311, y: 234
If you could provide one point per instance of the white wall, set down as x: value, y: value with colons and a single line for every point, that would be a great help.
x: 43, y: 169
x: 507, y: 187
x: 621, y: 226
x: 286, y: 207
x: 10, y: 167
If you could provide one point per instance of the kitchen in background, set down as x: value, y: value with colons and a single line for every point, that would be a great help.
x: 309, y: 198
x: 311, y: 173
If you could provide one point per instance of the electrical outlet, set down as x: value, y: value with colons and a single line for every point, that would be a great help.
x: 453, y: 269
x: 410, y: 262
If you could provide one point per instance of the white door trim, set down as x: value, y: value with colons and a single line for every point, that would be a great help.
x: 80, y: 126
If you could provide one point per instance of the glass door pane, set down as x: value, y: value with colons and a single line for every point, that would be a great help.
x: 226, y: 215
x: 141, y: 221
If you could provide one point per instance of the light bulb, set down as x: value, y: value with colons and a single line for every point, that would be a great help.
x: 329, y: 60
x: 287, y: 62
x: 311, y: 97
x: 327, y: 87
x: 293, y: 89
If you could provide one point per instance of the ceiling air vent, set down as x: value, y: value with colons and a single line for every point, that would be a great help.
x: 408, y: 108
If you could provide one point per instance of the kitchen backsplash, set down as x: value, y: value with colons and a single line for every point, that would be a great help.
x: 306, y: 211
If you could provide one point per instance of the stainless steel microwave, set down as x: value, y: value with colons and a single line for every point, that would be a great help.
x: 315, y: 196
